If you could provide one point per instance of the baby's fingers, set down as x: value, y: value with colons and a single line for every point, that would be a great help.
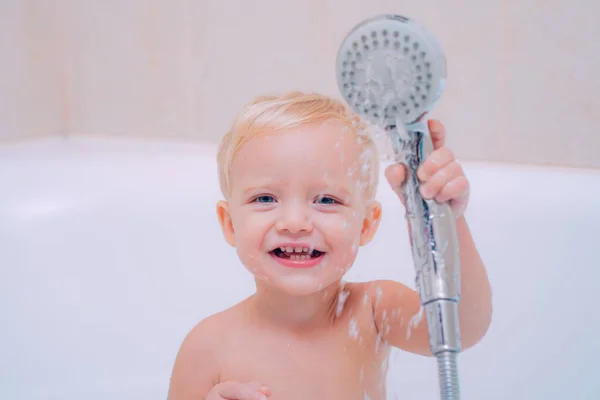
x: 437, y: 132
x: 265, y: 390
x: 434, y: 186
x: 243, y: 391
x: 437, y: 160
x: 395, y: 175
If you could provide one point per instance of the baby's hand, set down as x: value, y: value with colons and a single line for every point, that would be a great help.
x: 441, y: 176
x: 239, y: 391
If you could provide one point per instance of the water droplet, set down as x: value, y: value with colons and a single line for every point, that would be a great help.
x: 414, y: 321
x: 353, y: 329
x: 341, y: 300
x: 365, y: 168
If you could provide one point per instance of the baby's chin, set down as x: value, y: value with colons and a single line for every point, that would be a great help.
x: 300, y: 285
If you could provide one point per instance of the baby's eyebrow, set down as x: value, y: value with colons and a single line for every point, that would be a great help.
x: 342, y: 191
x: 255, y: 187
x: 319, y: 185
x: 251, y: 189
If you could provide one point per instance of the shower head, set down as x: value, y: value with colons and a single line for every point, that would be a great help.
x: 390, y: 68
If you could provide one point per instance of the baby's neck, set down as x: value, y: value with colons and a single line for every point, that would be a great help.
x: 314, y: 311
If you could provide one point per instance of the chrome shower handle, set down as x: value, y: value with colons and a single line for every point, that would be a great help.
x: 433, y: 239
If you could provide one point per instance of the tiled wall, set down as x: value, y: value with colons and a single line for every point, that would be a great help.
x: 522, y: 84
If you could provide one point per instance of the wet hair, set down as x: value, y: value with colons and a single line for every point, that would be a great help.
x: 275, y: 113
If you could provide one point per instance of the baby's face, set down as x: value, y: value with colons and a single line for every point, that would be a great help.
x: 297, y: 211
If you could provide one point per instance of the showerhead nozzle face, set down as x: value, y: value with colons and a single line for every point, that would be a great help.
x: 388, y: 68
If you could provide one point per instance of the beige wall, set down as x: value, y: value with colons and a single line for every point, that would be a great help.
x: 32, y: 81
x: 522, y: 82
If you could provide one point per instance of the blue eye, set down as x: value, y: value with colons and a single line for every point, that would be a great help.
x: 264, y: 199
x: 327, y: 200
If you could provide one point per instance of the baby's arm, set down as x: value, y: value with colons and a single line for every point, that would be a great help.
x: 397, y: 316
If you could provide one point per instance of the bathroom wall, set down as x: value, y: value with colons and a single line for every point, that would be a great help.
x: 32, y: 82
x: 521, y: 79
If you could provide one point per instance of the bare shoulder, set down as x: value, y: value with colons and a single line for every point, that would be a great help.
x: 197, y: 367
x: 358, y: 297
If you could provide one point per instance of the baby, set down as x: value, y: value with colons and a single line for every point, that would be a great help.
x: 299, y: 178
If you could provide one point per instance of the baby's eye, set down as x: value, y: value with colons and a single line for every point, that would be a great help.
x: 327, y: 200
x: 264, y: 199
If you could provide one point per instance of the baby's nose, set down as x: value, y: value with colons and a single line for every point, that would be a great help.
x: 295, y: 219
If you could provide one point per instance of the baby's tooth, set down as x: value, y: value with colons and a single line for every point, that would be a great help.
x: 305, y: 249
x: 289, y: 249
x: 298, y: 249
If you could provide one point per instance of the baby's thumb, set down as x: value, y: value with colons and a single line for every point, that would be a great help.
x: 396, y: 175
x: 264, y: 389
x: 240, y: 391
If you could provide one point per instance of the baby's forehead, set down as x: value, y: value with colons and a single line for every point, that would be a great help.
x: 337, y: 135
x: 327, y: 150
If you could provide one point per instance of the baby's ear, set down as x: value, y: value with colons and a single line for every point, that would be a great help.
x: 371, y: 222
x: 225, y: 221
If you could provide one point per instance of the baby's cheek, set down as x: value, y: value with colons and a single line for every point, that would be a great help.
x: 346, y: 229
x: 252, y: 222
x: 249, y: 231
x: 337, y: 225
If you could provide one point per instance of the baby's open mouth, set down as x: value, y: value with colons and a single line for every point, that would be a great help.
x: 298, y: 253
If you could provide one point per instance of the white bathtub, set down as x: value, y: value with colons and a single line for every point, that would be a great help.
x: 101, y: 273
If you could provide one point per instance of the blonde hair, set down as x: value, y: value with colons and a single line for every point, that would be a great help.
x: 279, y: 113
